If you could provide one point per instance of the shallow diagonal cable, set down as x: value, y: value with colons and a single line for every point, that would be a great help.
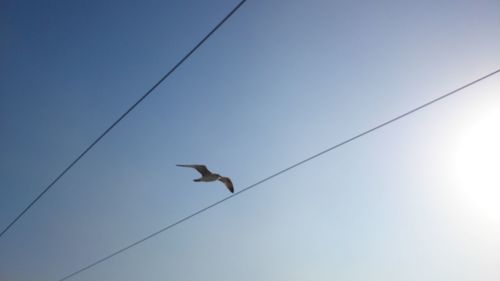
x: 278, y: 173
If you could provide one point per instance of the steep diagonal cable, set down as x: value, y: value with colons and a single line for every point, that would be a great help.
x: 277, y: 174
x: 122, y: 116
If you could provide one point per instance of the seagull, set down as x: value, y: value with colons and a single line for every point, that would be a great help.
x: 207, y: 176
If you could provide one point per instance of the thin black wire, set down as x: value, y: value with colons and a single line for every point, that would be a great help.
x: 123, y: 116
x: 277, y: 174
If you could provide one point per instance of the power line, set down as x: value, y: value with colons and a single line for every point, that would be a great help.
x: 123, y: 116
x: 277, y: 174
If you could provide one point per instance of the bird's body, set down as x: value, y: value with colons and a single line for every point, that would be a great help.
x: 207, y: 176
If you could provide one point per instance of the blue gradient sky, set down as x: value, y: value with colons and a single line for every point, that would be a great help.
x: 280, y: 81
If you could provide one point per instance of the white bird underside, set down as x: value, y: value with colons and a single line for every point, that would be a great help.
x: 207, y: 176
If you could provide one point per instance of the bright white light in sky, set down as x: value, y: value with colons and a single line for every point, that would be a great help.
x: 477, y: 164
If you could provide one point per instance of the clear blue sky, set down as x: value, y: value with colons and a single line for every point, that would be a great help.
x: 281, y: 80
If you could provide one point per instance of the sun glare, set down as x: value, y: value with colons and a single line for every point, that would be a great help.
x: 477, y: 164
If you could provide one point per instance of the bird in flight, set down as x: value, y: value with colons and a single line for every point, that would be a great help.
x: 207, y: 176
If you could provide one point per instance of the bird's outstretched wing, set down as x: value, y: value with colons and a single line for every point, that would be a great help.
x: 202, y: 169
x: 228, y: 183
